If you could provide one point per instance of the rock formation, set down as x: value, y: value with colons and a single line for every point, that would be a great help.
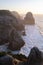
x: 8, y: 30
x: 15, y: 41
x: 29, y: 19
x: 21, y: 27
x: 34, y: 58
x: 19, y: 18
x: 16, y: 14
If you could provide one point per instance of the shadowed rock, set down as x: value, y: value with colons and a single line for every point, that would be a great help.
x: 16, y: 41
x: 29, y: 19
x: 6, y: 59
x: 34, y: 58
x: 6, y: 14
x: 8, y: 30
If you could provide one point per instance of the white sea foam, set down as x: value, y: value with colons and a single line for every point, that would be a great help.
x: 32, y: 38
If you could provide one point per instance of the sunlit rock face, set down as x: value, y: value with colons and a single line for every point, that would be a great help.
x: 21, y: 26
x: 19, y: 19
x: 29, y: 19
x: 16, y: 14
x: 15, y: 17
x: 8, y: 30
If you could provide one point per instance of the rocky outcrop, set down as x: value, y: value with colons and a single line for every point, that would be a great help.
x: 21, y: 27
x: 29, y: 19
x: 15, y: 40
x: 34, y: 58
x: 19, y: 56
x: 8, y: 30
x: 12, y: 17
x: 16, y: 14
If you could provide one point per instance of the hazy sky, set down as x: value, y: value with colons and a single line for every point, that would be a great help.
x: 23, y: 6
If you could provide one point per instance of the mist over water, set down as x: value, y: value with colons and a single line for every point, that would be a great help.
x: 34, y: 36
x: 39, y: 22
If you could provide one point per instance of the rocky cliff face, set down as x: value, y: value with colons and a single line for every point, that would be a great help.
x: 8, y: 30
x: 29, y: 19
x: 20, y: 20
x: 16, y: 14
x: 15, y: 40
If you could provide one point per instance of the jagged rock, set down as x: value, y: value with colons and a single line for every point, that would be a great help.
x: 29, y: 19
x: 6, y: 59
x: 19, y: 56
x: 8, y: 30
x: 34, y: 58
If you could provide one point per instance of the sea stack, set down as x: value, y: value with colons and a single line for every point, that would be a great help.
x: 29, y: 19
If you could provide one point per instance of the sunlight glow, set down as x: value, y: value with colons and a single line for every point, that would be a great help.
x: 23, y: 6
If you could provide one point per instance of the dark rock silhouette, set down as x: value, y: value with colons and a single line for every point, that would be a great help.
x: 6, y: 59
x: 8, y: 30
x: 19, y: 56
x: 29, y: 19
x: 34, y: 58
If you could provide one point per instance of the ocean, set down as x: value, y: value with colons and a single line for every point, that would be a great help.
x: 33, y: 37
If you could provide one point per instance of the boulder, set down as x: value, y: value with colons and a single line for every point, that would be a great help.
x: 8, y: 30
x: 34, y: 58
x: 29, y: 19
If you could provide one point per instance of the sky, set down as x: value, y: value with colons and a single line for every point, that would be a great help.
x: 23, y: 6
